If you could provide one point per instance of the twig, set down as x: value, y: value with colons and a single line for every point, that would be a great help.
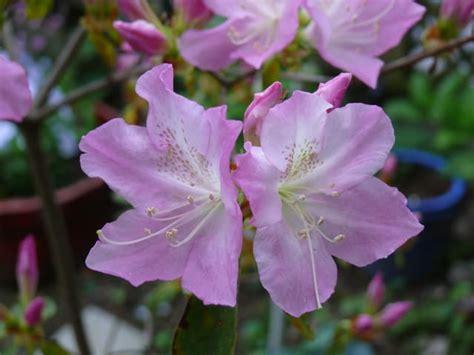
x: 61, y: 64
x: 417, y: 57
x: 56, y: 232
x: 87, y: 90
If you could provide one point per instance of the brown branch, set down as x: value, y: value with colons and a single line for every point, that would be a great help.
x: 417, y: 57
x: 61, y: 64
x: 87, y: 90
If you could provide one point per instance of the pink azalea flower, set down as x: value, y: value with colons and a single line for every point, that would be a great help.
x: 34, y: 311
x: 194, y: 11
x: 332, y: 91
x: 253, y: 32
x: 142, y: 36
x: 313, y: 196
x: 185, y: 222
x: 352, y: 34
x: 27, y: 268
x: 15, y: 95
x: 460, y: 11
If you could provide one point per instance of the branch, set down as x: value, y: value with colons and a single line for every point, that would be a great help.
x: 87, y: 90
x: 417, y: 57
x: 61, y: 65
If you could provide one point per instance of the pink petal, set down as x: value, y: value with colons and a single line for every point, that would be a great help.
x: 129, y: 169
x: 194, y: 11
x: 213, y: 265
x: 394, y: 313
x: 208, y: 49
x: 149, y: 260
x: 15, y: 95
x: 350, y: 34
x: 142, y: 36
x: 357, y: 141
x: 226, y: 8
x: 268, y: 43
x: 285, y: 269
x: 258, y: 109
x: 133, y: 9
x: 372, y: 216
x: 27, y: 273
x: 291, y: 125
x: 335, y: 89
x: 259, y: 181
x: 34, y: 311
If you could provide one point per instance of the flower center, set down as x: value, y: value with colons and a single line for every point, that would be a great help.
x: 195, y: 209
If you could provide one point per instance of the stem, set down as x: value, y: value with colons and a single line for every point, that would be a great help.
x: 55, y: 232
x: 275, y: 330
x: 87, y: 90
x: 417, y: 57
x: 61, y: 64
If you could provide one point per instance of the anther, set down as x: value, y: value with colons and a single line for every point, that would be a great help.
x: 339, y: 238
x: 335, y: 194
x: 150, y: 211
x: 303, y: 233
x: 171, y: 234
x: 99, y: 233
x: 320, y: 221
x: 190, y: 199
x: 211, y: 197
x: 147, y: 231
x: 302, y: 197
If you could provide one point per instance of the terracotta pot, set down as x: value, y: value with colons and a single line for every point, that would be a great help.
x: 86, y: 206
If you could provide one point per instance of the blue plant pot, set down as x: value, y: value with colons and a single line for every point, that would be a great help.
x: 425, y: 255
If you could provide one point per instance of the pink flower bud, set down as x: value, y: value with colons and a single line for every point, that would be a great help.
x: 376, y: 291
x: 27, y: 268
x: 258, y: 109
x: 33, y: 311
x: 390, y: 165
x: 142, y: 36
x: 394, y: 312
x: 133, y: 9
x: 363, y: 323
x: 460, y: 11
x: 335, y: 89
x: 194, y: 11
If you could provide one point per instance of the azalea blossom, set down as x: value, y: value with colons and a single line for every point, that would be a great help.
x: 332, y: 91
x: 313, y: 196
x: 15, y: 94
x: 142, y: 36
x: 352, y: 34
x: 254, y: 31
x: 175, y: 172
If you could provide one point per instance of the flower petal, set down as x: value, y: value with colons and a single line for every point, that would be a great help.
x: 129, y: 169
x: 259, y: 182
x: 142, y: 36
x: 373, y: 218
x: 258, y: 109
x: 213, y: 265
x: 15, y: 95
x: 334, y: 90
x: 292, y: 129
x: 208, y: 49
x: 285, y: 269
x: 357, y: 141
x: 149, y: 260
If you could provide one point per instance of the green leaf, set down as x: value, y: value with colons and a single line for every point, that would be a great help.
x: 36, y: 9
x: 420, y: 90
x: 206, y: 330
x: 403, y: 110
x: 52, y: 348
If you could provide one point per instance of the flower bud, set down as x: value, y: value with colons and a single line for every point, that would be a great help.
x: 142, y: 36
x: 335, y: 89
x: 258, y: 109
x: 27, y: 269
x: 194, y: 11
x: 363, y: 323
x: 33, y: 311
x: 389, y: 168
x: 376, y: 291
x: 394, y: 312
x: 132, y: 9
x: 460, y: 11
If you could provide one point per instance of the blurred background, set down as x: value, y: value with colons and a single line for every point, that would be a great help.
x: 431, y: 104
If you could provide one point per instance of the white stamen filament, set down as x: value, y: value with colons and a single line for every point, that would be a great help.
x: 179, y: 220
x: 377, y: 18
